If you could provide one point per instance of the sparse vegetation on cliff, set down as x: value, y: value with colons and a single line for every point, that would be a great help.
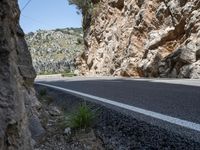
x: 89, y: 10
x: 84, y: 6
x: 53, y: 51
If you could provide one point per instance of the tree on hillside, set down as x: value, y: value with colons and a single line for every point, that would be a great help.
x: 84, y: 6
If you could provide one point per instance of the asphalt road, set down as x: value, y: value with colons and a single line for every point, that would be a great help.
x: 175, y: 98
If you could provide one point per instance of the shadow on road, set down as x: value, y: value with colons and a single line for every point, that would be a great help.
x: 181, y: 101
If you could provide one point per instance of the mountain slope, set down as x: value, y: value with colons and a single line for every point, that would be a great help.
x: 53, y: 51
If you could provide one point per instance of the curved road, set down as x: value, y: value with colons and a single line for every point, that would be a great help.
x: 174, y: 99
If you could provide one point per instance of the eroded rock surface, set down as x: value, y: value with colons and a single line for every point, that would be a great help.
x: 146, y: 38
x: 17, y: 96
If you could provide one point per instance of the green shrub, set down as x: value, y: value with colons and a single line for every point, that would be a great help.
x: 67, y: 71
x: 68, y: 74
x: 46, y: 73
x: 82, y: 118
x: 89, y: 9
x: 84, y: 6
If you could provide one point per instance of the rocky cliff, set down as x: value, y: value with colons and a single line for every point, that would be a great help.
x: 145, y: 38
x: 17, y: 99
x: 53, y: 51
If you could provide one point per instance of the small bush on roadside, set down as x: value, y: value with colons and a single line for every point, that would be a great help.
x: 82, y: 118
x: 66, y: 71
x: 68, y: 74
x: 46, y: 73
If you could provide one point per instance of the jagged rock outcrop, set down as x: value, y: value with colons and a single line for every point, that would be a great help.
x: 17, y: 96
x: 146, y: 38
x: 53, y: 51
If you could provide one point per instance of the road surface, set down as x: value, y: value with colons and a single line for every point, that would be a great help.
x: 172, y: 103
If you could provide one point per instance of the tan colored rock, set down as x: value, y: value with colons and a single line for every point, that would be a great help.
x: 150, y: 38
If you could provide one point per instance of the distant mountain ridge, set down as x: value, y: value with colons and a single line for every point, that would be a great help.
x: 53, y: 51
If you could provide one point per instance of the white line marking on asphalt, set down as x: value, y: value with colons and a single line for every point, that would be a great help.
x: 173, y: 120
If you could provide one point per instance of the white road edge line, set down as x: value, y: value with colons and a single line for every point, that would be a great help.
x: 173, y: 120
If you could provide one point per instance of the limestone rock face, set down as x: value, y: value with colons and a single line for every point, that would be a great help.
x: 146, y: 38
x: 16, y: 81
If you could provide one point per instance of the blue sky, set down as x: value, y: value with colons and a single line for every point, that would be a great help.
x: 48, y: 14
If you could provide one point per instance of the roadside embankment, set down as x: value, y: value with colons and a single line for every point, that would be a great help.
x: 115, y: 130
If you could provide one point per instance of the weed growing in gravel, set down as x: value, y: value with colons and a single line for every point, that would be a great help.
x: 82, y: 118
